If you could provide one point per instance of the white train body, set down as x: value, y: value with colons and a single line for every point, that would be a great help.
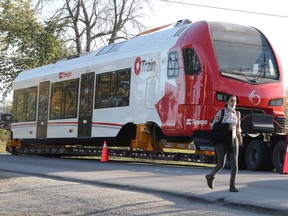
x: 147, y: 85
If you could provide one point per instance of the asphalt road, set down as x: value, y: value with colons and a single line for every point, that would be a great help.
x: 28, y: 195
x: 265, y: 191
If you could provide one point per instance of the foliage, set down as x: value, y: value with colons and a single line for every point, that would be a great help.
x: 4, y: 136
x: 92, y: 23
x: 77, y: 25
x: 25, y: 42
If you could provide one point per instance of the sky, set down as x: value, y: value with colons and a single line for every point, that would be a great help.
x: 270, y: 17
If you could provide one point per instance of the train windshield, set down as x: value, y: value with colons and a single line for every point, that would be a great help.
x: 243, y: 53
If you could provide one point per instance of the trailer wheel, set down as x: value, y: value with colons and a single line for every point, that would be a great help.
x: 12, y: 150
x: 256, y: 155
x: 279, y: 153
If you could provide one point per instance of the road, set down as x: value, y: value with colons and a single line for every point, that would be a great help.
x: 50, y: 186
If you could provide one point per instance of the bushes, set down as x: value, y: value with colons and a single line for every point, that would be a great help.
x: 4, y: 136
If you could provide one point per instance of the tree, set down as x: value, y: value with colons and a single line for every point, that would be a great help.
x: 98, y: 22
x: 25, y: 42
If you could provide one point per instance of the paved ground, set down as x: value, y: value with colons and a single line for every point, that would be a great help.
x: 266, y: 190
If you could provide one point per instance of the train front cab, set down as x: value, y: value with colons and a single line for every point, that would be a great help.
x: 229, y: 66
x: 251, y: 76
x: 239, y: 60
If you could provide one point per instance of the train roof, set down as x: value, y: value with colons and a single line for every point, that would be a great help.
x: 139, y: 45
x: 147, y: 43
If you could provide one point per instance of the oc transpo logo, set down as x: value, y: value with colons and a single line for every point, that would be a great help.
x: 65, y: 75
x: 254, y: 98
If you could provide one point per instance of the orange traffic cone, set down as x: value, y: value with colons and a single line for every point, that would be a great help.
x: 104, y: 156
x: 285, y: 167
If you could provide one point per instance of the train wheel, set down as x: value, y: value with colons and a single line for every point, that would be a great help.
x: 13, y: 150
x: 257, y: 155
x: 279, y: 153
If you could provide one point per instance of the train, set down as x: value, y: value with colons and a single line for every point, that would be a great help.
x: 154, y: 92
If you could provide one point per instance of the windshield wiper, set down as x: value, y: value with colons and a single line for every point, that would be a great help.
x: 239, y: 71
x: 262, y: 70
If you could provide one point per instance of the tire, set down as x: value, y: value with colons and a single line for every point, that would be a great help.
x: 257, y: 155
x: 279, y: 153
x: 13, y: 151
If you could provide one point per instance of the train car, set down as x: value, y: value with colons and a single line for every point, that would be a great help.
x: 156, y: 91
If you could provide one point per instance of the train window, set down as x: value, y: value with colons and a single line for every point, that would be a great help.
x: 89, y: 99
x: 31, y: 103
x: 113, y: 89
x: 110, y: 48
x: 191, y: 62
x: 103, y: 89
x: 64, y: 99
x: 123, y: 87
x: 71, y: 100
x: 19, y: 102
x: 173, y: 65
x: 244, y: 53
x: 24, y: 104
x: 56, y: 101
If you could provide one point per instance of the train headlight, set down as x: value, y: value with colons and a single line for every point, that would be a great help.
x: 221, y: 96
x: 276, y: 102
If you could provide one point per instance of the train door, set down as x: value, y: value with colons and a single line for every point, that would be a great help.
x: 86, y: 105
x: 42, y: 118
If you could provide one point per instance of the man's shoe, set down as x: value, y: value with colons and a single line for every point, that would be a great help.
x: 210, y: 181
x: 233, y: 189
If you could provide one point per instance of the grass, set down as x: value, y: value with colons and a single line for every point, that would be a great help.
x: 2, y: 147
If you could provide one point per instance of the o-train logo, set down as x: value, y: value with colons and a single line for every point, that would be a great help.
x: 143, y: 65
x: 63, y: 75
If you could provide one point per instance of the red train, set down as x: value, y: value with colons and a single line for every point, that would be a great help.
x: 156, y: 91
